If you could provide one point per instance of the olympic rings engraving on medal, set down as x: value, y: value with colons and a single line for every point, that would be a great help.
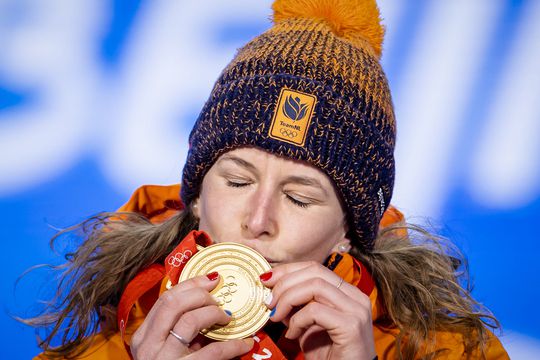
x: 180, y: 258
x: 226, y: 292
x: 288, y: 133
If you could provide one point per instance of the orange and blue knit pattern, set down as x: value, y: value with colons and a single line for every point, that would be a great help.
x: 307, y: 90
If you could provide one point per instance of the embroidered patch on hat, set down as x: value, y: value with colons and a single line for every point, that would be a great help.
x: 292, y: 116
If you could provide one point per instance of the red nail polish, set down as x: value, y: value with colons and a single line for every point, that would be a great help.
x: 212, y: 276
x: 266, y: 276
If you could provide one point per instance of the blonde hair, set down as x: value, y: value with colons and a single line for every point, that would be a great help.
x: 115, y: 247
x: 416, y: 277
x: 424, y: 284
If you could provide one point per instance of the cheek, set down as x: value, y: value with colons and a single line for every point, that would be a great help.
x: 218, y: 214
x: 311, y: 238
x: 210, y: 217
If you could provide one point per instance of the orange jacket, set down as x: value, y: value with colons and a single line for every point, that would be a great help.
x: 160, y: 202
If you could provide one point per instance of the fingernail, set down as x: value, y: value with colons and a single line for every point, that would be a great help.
x: 266, y: 276
x: 268, y: 299
x: 212, y: 276
x: 228, y: 312
x: 287, y: 333
x: 254, y: 346
x: 273, y: 311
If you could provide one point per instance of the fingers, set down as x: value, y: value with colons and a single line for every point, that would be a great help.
x: 350, y: 333
x: 189, y: 325
x: 223, y: 350
x: 332, y: 320
x: 298, y: 283
x: 168, y: 309
x: 308, y: 298
x: 295, y: 274
x: 318, y: 290
x: 270, y: 278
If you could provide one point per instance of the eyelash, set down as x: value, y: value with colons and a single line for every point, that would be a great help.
x: 236, y: 185
x: 290, y: 198
x: 297, y: 203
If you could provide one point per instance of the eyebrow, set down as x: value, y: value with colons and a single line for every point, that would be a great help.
x: 241, y: 162
x: 306, y: 180
x: 296, y: 179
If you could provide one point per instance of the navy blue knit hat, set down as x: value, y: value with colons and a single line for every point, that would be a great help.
x: 310, y: 88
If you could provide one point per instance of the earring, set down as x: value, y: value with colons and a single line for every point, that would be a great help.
x: 193, y: 209
x: 342, y: 248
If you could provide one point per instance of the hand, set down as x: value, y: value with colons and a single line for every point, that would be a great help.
x: 329, y: 322
x: 185, y: 309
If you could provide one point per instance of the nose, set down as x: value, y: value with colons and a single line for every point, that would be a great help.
x: 260, y: 219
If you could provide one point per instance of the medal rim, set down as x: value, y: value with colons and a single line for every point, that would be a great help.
x: 229, y: 246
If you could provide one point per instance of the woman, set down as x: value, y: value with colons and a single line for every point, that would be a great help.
x: 292, y: 155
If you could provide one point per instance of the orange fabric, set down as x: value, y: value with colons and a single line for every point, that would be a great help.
x: 391, y: 216
x: 159, y: 202
x: 156, y: 202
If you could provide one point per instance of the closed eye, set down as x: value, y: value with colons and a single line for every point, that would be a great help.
x: 297, y: 202
x: 240, y: 184
x: 237, y: 184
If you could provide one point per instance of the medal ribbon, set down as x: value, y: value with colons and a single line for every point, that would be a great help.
x: 344, y: 265
x: 154, y: 274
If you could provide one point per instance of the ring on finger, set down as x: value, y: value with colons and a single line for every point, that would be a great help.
x: 340, y: 282
x: 179, y: 338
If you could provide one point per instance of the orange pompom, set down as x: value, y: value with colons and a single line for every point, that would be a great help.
x: 349, y: 19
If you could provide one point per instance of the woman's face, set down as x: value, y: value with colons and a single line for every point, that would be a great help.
x: 285, y: 209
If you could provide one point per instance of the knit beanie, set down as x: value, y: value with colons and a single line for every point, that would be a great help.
x: 310, y: 88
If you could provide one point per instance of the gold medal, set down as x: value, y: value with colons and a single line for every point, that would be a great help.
x: 239, y: 291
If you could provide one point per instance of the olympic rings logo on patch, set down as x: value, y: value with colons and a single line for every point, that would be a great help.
x: 179, y: 258
x: 289, y: 133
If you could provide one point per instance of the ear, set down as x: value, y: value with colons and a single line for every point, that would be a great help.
x: 343, y: 245
x: 195, y: 207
